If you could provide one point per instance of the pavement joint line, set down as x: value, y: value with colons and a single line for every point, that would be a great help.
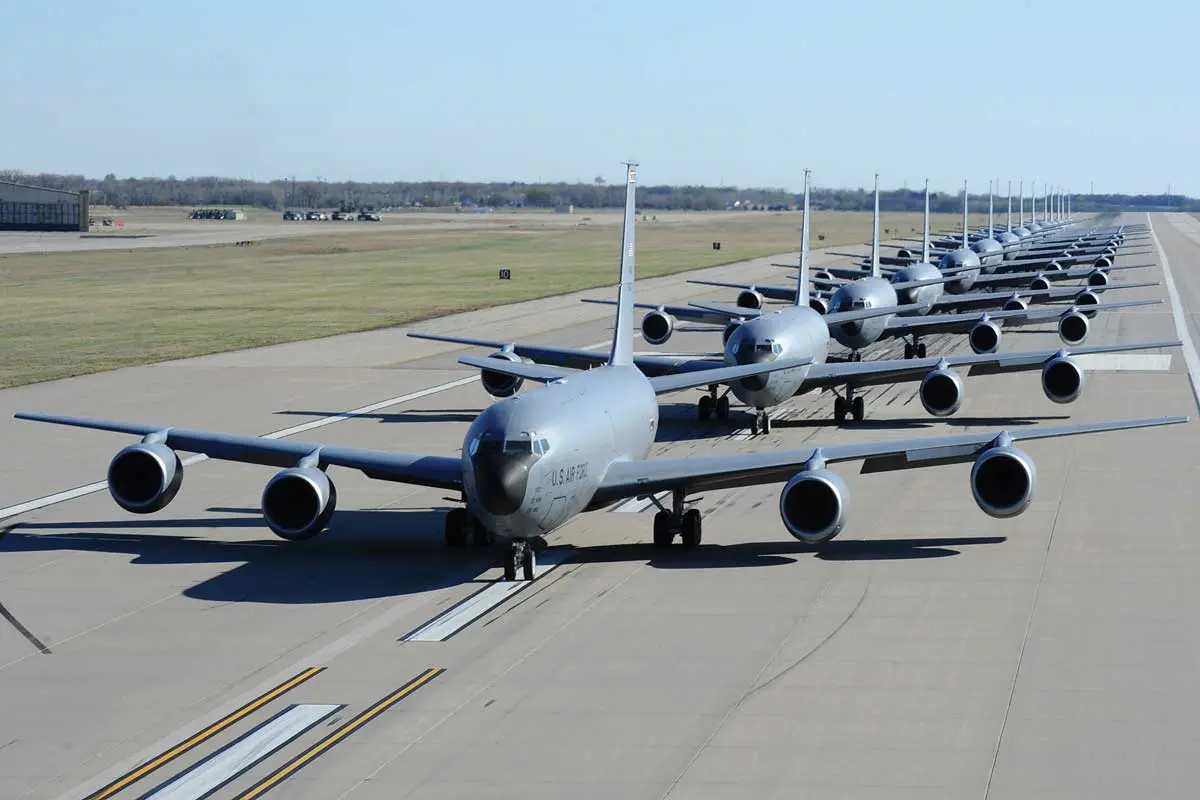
x: 202, y: 736
x: 96, y: 486
x: 1190, y: 357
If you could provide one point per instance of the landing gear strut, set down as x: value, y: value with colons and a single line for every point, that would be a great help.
x: 761, y: 422
x: 713, y: 403
x: 686, y: 524
x: 520, y: 558
x: 848, y: 404
x: 916, y: 349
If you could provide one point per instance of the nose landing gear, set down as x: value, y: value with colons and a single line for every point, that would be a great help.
x: 761, y: 422
x: 520, y: 558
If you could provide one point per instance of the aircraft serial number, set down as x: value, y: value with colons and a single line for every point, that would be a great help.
x: 564, y: 475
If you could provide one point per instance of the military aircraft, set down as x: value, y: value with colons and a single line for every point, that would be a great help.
x: 580, y: 443
x: 798, y: 331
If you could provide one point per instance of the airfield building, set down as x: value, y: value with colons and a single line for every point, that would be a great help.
x: 33, y: 208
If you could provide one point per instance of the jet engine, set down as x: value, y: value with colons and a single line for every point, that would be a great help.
x: 1003, y: 479
x: 143, y: 478
x: 813, y: 505
x: 1040, y: 284
x: 747, y: 298
x: 904, y: 252
x: 984, y: 337
x: 1103, y: 262
x: 1087, y: 298
x: 1016, y: 303
x: 1054, y: 266
x: 1073, y: 328
x: 498, y: 384
x: 1097, y: 278
x: 819, y: 304
x: 822, y: 275
x: 941, y: 392
x: 297, y: 503
x: 729, y: 329
x: 1062, y: 379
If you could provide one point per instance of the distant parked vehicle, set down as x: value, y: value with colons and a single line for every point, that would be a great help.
x: 292, y: 215
x: 366, y: 216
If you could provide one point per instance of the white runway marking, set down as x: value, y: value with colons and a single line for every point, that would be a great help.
x: 1181, y: 327
x: 1124, y: 362
x: 231, y: 761
x: 457, y: 617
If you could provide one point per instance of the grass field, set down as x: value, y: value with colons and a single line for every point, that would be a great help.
x: 72, y: 313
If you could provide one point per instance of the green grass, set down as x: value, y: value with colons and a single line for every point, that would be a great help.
x: 65, y: 314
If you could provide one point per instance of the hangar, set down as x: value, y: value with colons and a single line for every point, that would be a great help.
x: 34, y: 208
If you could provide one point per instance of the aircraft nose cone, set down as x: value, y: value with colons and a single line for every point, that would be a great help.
x: 500, y: 478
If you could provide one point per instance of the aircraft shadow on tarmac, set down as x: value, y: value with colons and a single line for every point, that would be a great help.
x: 365, y: 554
x: 409, y: 415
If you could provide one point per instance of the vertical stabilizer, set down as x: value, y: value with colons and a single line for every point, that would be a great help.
x: 1021, y: 213
x: 966, y: 241
x: 875, y: 270
x: 802, y: 278
x: 1010, y: 227
x: 1033, y: 202
x: 622, y: 346
x: 991, y: 225
x: 925, y: 227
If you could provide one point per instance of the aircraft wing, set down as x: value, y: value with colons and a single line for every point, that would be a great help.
x: 856, y: 314
x: 714, y: 314
x: 837, y: 272
x: 721, y: 374
x: 900, y: 370
x: 983, y: 299
x: 962, y: 323
x: 769, y: 292
x: 421, y: 470
x: 1022, y: 278
x: 541, y: 373
x: 707, y: 473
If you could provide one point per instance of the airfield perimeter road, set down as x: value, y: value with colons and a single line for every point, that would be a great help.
x: 929, y: 652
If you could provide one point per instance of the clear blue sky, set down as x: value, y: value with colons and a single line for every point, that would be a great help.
x: 698, y: 92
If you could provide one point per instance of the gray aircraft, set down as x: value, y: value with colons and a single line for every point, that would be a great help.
x: 580, y: 443
x: 797, y: 331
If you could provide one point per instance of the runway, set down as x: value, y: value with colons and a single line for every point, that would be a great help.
x: 930, y: 651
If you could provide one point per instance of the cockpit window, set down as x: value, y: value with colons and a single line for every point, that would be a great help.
x: 517, y: 446
x: 860, y: 302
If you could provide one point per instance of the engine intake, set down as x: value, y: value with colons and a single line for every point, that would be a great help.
x: 1054, y: 266
x: 1062, y: 379
x: 904, y: 252
x: 297, y: 503
x: 1103, y: 262
x: 941, y: 392
x: 818, y: 304
x: 813, y: 505
x: 822, y: 275
x: 1015, y: 304
x: 1097, y: 278
x: 984, y: 337
x: 1088, y: 298
x: 748, y: 298
x: 1003, y: 480
x: 1040, y: 284
x: 143, y: 478
x: 497, y: 384
x: 657, y: 327
x: 1073, y: 328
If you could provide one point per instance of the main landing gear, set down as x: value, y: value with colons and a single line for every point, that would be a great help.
x: 851, y: 404
x: 712, y: 403
x: 460, y: 527
x: 916, y: 349
x: 677, y: 522
x: 761, y: 422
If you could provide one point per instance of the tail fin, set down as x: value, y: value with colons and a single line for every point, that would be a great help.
x: 991, y: 226
x: 966, y: 238
x: 925, y: 229
x: 622, y: 346
x: 875, y: 271
x: 1021, y: 214
x: 802, y: 278
x: 1010, y: 227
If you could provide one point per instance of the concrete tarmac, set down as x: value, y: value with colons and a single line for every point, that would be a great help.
x: 930, y: 651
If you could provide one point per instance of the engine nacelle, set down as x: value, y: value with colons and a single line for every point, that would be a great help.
x: 1016, y: 304
x: 143, y: 478
x: 1054, y: 266
x: 818, y: 304
x: 297, y: 503
x: 1003, y: 480
x: 729, y: 329
x: 1040, y: 284
x: 823, y: 275
x: 497, y: 384
x: 1073, y: 328
x: 813, y: 505
x: 749, y: 298
x: 1062, y: 380
x: 904, y: 252
x: 657, y: 327
x: 1088, y: 298
x: 1097, y: 278
x: 984, y: 337
x: 1103, y: 262
x: 941, y: 392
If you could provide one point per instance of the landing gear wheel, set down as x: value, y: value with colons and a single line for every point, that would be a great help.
x: 764, y: 425
x: 723, y: 407
x: 754, y: 426
x: 519, y: 558
x: 691, y: 528
x: 704, y: 408
x: 663, y: 535
x: 858, y: 409
x: 908, y: 351
x: 510, y: 564
x: 529, y: 565
x: 456, y: 527
x: 839, y: 409
x: 921, y: 350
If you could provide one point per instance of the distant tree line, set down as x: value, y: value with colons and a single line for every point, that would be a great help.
x: 286, y: 193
